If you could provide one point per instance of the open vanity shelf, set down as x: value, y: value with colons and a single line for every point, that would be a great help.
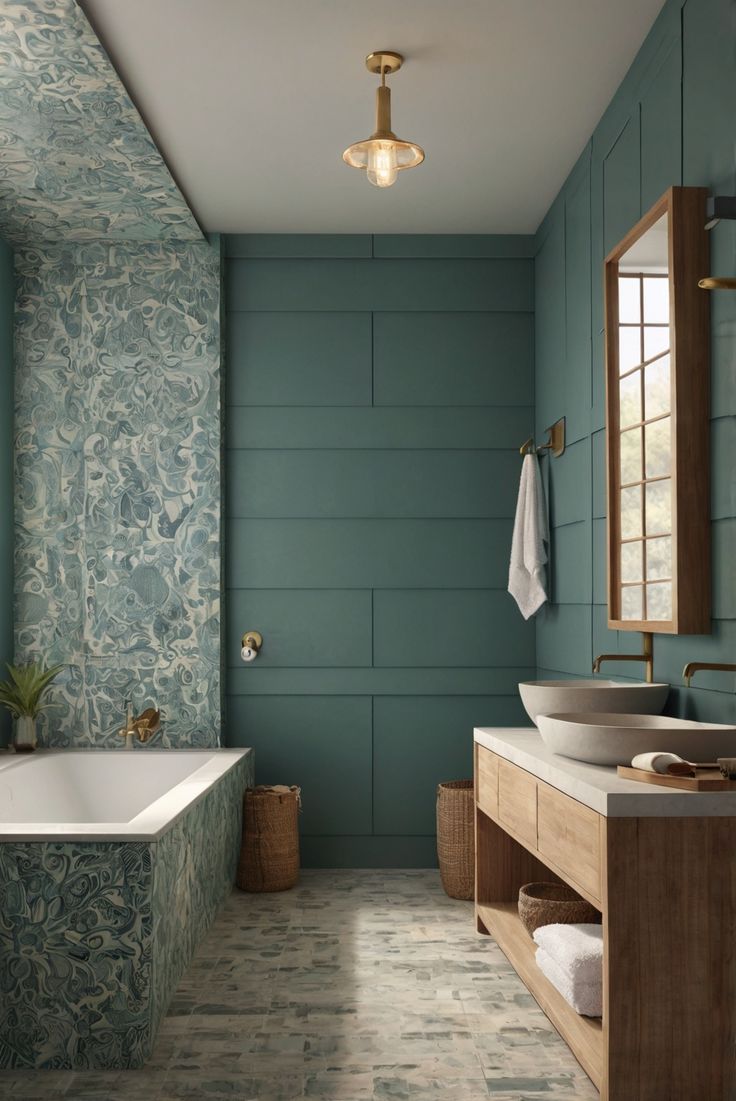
x: 663, y: 875
x: 583, y: 1034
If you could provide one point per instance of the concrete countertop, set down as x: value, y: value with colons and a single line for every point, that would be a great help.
x: 599, y: 787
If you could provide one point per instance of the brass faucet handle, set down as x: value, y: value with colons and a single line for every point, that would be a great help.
x: 151, y: 718
x: 147, y: 724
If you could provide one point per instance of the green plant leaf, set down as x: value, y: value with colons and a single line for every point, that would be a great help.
x: 22, y: 693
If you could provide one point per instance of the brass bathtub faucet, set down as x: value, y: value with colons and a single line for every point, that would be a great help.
x: 143, y: 727
x: 647, y: 657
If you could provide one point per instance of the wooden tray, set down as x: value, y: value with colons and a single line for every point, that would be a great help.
x: 707, y: 779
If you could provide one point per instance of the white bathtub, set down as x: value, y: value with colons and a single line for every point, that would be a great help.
x: 112, y: 867
x: 104, y: 795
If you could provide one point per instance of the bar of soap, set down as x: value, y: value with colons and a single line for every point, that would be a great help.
x: 656, y: 762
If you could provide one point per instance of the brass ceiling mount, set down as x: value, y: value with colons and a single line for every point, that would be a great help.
x: 384, y: 61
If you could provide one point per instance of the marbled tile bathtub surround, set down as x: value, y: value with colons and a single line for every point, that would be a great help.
x: 353, y: 986
x: 78, y: 162
x: 117, y: 505
x: 94, y: 937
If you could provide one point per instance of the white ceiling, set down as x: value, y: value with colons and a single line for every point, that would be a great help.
x: 253, y: 101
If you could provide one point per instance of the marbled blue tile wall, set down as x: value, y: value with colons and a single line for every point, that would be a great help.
x: 78, y: 162
x: 7, y: 300
x: 117, y: 450
x: 95, y: 936
x: 117, y: 439
x: 670, y: 122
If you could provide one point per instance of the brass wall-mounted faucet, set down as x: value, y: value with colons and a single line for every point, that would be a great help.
x: 692, y: 667
x: 647, y: 657
x: 143, y: 727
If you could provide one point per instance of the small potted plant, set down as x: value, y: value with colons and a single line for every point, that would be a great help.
x: 22, y: 694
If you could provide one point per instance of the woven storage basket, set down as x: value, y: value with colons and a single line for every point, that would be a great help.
x: 553, y: 904
x: 269, y: 854
x: 455, y: 838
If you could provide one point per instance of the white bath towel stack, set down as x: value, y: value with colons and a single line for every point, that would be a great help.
x: 571, y: 957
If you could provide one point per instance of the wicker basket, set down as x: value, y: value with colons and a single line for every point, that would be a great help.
x: 455, y: 838
x: 552, y: 904
x: 269, y: 854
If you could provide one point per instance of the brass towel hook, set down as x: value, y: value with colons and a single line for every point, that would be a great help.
x: 555, y: 441
x: 719, y: 207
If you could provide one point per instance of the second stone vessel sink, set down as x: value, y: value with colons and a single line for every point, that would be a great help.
x: 542, y: 697
x: 614, y: 739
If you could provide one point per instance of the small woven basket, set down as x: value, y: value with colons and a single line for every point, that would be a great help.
x: 455, y: 838
x: 269, y: 854
x: 553, y: 904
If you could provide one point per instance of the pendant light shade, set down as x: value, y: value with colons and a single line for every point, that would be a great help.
x: 383, y: 155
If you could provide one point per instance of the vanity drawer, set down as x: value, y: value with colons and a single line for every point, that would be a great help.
x: 517, y: 801
x: 486, y: 764
x: 569, y: 834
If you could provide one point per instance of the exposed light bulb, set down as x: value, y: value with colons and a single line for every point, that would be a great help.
x: 382, y: 156
x: 382, y: 167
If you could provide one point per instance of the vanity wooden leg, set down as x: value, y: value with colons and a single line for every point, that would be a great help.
x: 670, y: 959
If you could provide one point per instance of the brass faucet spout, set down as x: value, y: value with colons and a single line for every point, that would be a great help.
x: 692, y: 667
x: 647, y: 657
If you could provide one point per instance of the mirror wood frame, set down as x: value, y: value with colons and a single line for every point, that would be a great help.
x: 689, y: 327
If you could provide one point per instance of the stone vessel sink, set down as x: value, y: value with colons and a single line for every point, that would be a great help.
x: 614, y: 739
x: 543, y: 697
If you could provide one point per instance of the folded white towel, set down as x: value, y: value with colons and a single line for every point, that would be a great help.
x: 527, y: 581
x: 585, y: 998
x: 576, y: 949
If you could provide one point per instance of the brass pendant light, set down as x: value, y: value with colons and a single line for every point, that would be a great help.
x: 383, y: 155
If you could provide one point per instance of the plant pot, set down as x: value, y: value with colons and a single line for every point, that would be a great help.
x: 24, y: 737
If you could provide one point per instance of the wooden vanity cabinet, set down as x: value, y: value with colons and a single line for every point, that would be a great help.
x: 666, y: 889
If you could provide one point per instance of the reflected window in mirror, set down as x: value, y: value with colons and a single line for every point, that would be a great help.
x: 645, y: 420
x: 657, y: 326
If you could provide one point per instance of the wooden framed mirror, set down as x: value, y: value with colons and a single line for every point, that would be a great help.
x: 657, y: 420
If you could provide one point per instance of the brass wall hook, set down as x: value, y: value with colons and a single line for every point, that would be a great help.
x: 719, y: 207
x: 717, y: 283
x: 555, y: 441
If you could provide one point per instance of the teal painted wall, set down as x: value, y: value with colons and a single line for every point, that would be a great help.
x: 7, y: 300
x: 378, y: 390
x: 672, y: 121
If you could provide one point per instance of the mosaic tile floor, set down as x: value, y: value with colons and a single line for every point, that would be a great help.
x: 356, y: 985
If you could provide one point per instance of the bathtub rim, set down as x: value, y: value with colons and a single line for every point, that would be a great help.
x: 151, y: 823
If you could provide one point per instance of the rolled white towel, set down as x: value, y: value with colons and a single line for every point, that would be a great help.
x: 656, y: 762
x: 576, y: 949
x: 585, y: 998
